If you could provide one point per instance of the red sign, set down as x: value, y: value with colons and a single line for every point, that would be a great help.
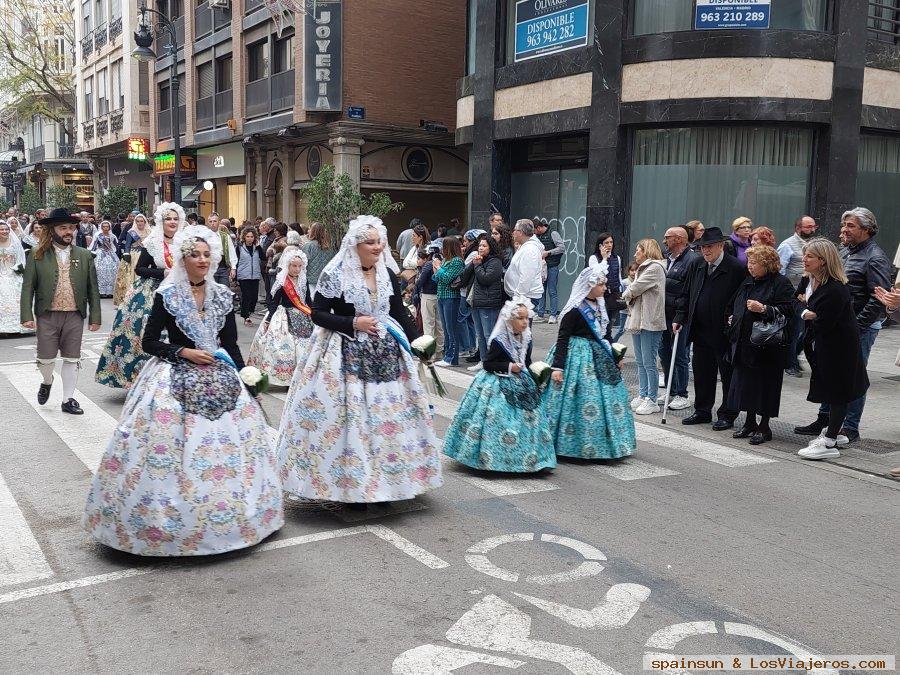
x: 138, y: 148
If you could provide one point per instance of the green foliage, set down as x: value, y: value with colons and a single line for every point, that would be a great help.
x: 118, y: 199
x: 62, y: 197
x: 4, y: 205
x: 30, y: 200
x: 333, y: 200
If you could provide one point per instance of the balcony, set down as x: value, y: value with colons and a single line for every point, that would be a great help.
x: 163, y: 122
x: 116, y: 120
x: 283, y: 90
x: 884, y: 22
x: 221, y: 18
x: 87, y: 131
x: 270, y: 95
x: 37, y: 154
x: 162, y: 43
x: 203, y: 20
x: 65, y: 151
x: 87, y: 46
x: 100, y: 36
x: 224, y: 109
x: 102, y: 126
x: 257, y: 97
x: 115, y: 28
x: 251, y: 5
x: 206, y: 117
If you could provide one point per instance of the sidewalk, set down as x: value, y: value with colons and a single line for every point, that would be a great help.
x: 879, y: 446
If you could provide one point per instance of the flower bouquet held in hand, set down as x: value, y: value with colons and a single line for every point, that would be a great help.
x: 424, y: 348
x: 540, y: 371
x: 257, y: 382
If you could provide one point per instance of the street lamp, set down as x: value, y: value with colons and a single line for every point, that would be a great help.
x: 143, y: 38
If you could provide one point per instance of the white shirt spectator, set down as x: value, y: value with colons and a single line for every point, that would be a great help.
x: 524, y: 274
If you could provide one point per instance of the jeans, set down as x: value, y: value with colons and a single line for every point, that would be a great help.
x: 682, y: 362
x: 855, y: 408
x: 646, y: 346
x: 620, y: 328
x: 798, y: 328
x: 549, y: 292
x: 485, y: 320
x: 466, y: 328
x: 448, y: 308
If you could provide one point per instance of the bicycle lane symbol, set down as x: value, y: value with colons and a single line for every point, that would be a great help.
x: 495, y: 625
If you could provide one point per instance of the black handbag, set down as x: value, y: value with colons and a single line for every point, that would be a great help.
x: 770, y: 333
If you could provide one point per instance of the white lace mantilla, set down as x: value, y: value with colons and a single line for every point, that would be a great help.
x: 202, y: 330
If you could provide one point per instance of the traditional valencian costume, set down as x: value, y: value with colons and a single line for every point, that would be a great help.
x: 132, y: 246
x: 105, y: 260
x: 588, y: 412
x: 356, y: 426
x: 122, y: 357
x: 499, y: 425
x: 283, y: 337
x: 190, y: 469
x: 12, y: 265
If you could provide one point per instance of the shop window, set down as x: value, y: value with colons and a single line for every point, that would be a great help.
x: 715, y: 174
x: 665, y: 16
x: 878, y: 186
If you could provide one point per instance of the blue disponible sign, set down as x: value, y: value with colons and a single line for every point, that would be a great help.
x: 718, y: 14
x: 549, y: 26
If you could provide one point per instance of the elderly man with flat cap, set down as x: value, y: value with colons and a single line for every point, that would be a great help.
x: 59, y: 290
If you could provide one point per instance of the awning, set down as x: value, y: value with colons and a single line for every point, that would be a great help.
x: 190, y: 193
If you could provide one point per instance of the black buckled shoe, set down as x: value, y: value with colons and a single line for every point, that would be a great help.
x: 44, y: 392
x: 71, y: 406
x: 761, y: 436
x: 722, y: 425
x: 813, y: 429
x: 697, y: 418
x: 745, y: 431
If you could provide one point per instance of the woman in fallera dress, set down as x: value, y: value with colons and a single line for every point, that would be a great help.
x: 131, y: 250
x: 499, y: 425
x: 356, y: 426
x: 12, y: 264
x: 190, y: 469
x: 283, y: 336
x: 106, y: 260
x: 122, y: 357
x: 586, y: 401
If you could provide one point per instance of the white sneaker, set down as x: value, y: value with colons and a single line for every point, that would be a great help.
x: 442, y: 364
x: 475, y: 368
x: 820, y: 447
x: 840, y: 442
x: 540, y: 319
x: 552, y: 319
x: 636, y: 402
x: 679, y: 403
x: 662, y: 381
x: 647, y: 407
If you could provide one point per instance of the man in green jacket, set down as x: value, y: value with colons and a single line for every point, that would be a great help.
x: 59, y: 290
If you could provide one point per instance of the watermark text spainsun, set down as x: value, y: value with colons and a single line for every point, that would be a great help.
x: 774, y: 662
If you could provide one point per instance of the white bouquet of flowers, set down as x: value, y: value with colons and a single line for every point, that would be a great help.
x: 540, y: 371
x: 425, y: 348
x: 256, y: 380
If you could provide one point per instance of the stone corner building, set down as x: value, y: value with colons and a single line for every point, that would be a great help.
x: 632, y: 120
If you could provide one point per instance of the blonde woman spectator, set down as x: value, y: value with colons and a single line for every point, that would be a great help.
x: 739, y: 241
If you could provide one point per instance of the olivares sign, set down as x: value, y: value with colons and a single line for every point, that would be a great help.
x: 322, y: 57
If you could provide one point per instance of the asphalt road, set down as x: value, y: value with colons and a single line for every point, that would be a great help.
x: 697, y: 545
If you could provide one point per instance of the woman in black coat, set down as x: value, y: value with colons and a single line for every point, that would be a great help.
x: 486, y: 271
x: 758, y: 371
x: 831, y: 344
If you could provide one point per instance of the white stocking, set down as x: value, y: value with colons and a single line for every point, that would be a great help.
x: 46, y: 370
x: 69, y: 372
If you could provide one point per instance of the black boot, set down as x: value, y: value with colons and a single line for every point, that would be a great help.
x: 813, y: 429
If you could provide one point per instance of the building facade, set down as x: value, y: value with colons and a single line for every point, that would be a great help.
x: 629, y: 116
x: 113, y: 95
x: 267, y: 99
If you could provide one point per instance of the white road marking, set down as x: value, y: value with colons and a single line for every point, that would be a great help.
x: 86, y: 435
x: 699, y: 448
x: 440, y: 660
x: 21, y: 558
x: 444, y: 407
x: 621, y: 604
x: 455, y: 378
x: 745, y: 630
x: 633, y: 469
x: 499, y: 487
x: 670, y: 636
x: 384, y: 533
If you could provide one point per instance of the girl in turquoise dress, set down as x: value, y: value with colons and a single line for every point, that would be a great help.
x: 587, y: 402
x: 499, y: 425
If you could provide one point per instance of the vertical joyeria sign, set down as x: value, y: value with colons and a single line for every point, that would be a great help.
x: 322, y: 56
x: 724, y: 14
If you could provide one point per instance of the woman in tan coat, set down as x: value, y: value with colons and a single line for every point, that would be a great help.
x: 646, y: 301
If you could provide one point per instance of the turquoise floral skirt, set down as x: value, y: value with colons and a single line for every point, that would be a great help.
x: 499, y: 426
x: 588, y: 412
x: 122, y: 357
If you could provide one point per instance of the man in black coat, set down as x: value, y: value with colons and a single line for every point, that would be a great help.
x: 702, y: 311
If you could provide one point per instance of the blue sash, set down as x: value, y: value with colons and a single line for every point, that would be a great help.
x: 397, y: 332
x: 590, y: 317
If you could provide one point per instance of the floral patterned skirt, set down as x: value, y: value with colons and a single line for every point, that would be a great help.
x: 107, y: 266
x: 125, y: 278
x: 588, y: 412
x: 276, y: 351
x: 10, y: 295
x: 351, y: 434
x: 491, y: 432
x: 190, y: 469
x: 122, y: 357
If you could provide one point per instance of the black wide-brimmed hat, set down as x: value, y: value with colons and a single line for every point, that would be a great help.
x: 58, y: 217
x: 711, y: 235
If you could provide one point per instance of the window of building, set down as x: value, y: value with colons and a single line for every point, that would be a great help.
x: 205, y: 81
x: 283, y: 54
x: 568, y: 24
x: 878, y: 185
x: 99, y: 12
x: 171, y: 8
x: 664, y: 16
x: 223, y: 73
x: 115, y: 9
x: 86, y: 16
x: 37, y: 131
x: 102, y: 93
x: 715, y: 174
x: 165, y: 97
x: 117, y: 96
x: 257, y: 61
x: 89, y: 97
x: 884, y: 21
x: 471, y: 26
x: 143, y: 83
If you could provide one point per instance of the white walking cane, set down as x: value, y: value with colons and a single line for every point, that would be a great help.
x: 671, y: 372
